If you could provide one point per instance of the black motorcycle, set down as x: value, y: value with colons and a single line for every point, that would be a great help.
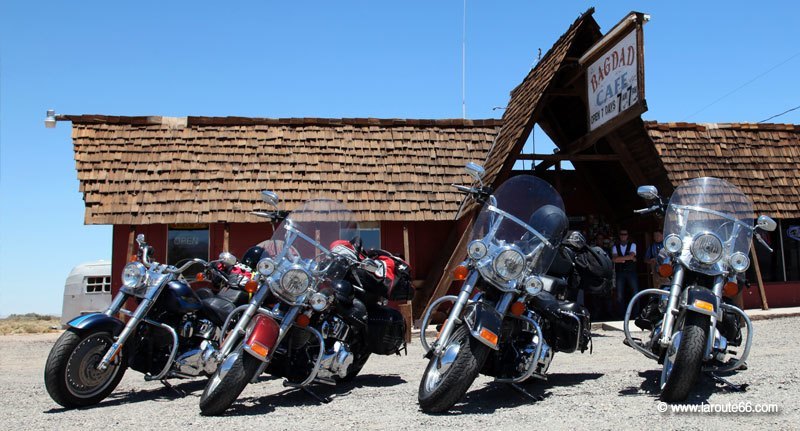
x: 318, y: 313
x: 511, y: 314
x: 693, y: 323
x: 172, y: 333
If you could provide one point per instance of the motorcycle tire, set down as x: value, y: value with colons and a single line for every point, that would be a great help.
x: 688, y: 359
x: 70, y: 373
x: 220, y: 393
x: 453, y: 382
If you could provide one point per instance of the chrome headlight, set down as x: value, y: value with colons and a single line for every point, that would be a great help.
x: 533, y: 285
x: 509, y: 264
x: 265, y: 266
x: 739, y: 262
x: 706, y: 248
x: 673, y: 243
x: 133, y: 275
x: 295, y: 282
x: 476, y: 250
x: 319, y: 301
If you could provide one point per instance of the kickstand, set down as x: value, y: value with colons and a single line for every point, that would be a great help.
x: 522, y: 390
x: 323, y: 400
x: 169, y: 386
x: 723, y: 381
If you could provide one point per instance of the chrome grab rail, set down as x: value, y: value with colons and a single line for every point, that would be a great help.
x: 173, y: 352
x: 317, y: 365
x: 626, y: 322
x: 427, y: 316
x: 529, y: 372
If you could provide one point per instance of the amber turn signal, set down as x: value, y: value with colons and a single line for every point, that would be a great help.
x: 259, y: 349
x: 134, y: 258
x: 460, y: 273
x: 489, y: 336
x: 699, y: 303
x: 251, y: 287
x: 665, y: 270
x: 200, y: 277
x: 302, y: 321
x: 517, y: 308
x: 730, y: 289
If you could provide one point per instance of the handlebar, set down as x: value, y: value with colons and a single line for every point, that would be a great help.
x: 186, y: 265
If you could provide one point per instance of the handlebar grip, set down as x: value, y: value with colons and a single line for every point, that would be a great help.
x: 642, y: 211
x: 463, y: 189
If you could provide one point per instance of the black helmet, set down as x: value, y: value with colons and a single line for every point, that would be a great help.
x: 252, y: 256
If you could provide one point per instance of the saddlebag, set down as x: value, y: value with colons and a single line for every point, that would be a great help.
x: 595, y: 271
x: 386, y: 330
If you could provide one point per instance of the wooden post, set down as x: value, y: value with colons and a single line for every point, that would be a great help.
x: 226, y: 238
x: 406, y: 247
x: 131, y: 243
x: 764, y: 305
x: 406, y: 309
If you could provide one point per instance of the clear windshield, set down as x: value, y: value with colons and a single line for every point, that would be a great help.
x: 527, y: 213
x: 710, y: 205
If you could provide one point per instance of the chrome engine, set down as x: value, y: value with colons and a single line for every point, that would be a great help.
x: 198, y: 361
x: 526, y: 358
x: 335, y: 361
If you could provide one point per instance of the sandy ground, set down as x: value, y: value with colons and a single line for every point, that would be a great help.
x: 613, y: 388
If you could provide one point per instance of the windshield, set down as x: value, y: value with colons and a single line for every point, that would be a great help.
x: 709, y: 206
x: 526, y: 213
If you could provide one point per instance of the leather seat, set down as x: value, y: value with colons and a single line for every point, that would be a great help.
x: 217, y: 309
x: 546, y: 301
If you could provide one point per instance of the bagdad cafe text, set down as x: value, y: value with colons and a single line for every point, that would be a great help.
x: 615, y: 71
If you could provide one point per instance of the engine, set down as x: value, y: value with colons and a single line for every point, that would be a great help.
x: 337, y: 358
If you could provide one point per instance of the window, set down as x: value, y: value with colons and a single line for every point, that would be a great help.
x: 97, y: 284
x: 187, y: 242
x: 790, y: 232
x: 369, y: 232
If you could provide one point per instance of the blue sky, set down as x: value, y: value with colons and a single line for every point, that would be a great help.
x: 323, y: 59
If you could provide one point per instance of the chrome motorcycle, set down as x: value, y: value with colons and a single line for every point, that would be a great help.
x: 315, y: 318
x: 693, y: 323
x: 172, y: 333
x: 511, y: 328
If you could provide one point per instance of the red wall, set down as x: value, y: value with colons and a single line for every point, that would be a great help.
x: 779, y: 295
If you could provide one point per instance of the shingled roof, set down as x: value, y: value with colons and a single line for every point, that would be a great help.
x: 142, y: 170
x: 761, y: 159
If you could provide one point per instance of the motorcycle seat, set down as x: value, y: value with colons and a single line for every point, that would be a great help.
x: 548, y: 302
x: 217, y: 309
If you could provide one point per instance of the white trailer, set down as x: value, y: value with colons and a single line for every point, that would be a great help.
x: 87, y: 289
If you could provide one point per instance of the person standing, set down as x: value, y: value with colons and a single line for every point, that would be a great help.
x: 623, y: 254
x: 652, y: 259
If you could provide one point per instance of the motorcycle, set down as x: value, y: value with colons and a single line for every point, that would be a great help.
x: 318, y: 313
x: 511, y: 328
x: 693, y: 323
x: 172, y: 332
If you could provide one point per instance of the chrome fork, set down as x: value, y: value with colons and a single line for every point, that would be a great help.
x: 672, y: 307
x: 453, y: 318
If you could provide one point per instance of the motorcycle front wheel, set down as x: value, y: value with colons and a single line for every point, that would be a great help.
x: 684, y: 357
x: 71, y: 375
x: 447, y: 377
x: 228, y: 382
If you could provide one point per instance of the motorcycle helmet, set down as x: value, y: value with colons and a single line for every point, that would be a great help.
x: 252, y: 256
x: 550, y: 221
x: 345, y: 249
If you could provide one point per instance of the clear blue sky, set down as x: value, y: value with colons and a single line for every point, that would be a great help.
x: 322, y: 59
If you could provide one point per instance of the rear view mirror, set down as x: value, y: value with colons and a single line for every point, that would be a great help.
x: 648, y: 192
x: 475, y: 170
x: 270, y: 197
x: 140, y: 239
x: 766, y: 223
x: 227, y: 258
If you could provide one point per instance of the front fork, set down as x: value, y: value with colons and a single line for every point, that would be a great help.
x: 671, y: 311
x: 454, y: 319
x: 135, y: 318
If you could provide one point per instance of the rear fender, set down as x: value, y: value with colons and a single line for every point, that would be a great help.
x: 262, y: 337
x: 484, y: 323
x: 96, y: 321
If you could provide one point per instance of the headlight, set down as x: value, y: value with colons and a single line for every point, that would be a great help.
x: 673, y: 243
x: 739, y: 262
x: 706, y: 248
x: 295, y: 282
x: 265, y: 266
x: 509, y: 264
x: 133, y: 275
x: 319, y: 301
x: 476, y: 250
x: 533, y: 285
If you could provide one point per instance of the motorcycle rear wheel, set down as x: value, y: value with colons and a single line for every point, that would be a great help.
x: 447, y: 378
x: 684, y: 358
x: 71, y: 375
x: 228, y: 382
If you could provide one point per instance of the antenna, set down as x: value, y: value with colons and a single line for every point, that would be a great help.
x: 464, y: 65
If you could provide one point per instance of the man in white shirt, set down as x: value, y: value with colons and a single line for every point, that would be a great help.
x: 623, y: 254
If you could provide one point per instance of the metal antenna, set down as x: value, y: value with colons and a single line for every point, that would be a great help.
x: 464, y: 65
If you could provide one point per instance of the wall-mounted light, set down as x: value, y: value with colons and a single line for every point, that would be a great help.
x: 50, y: 119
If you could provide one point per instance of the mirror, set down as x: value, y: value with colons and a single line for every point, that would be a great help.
x: 766, y: 223
x: 140, y: 239
x: 227, y: 258
x: 648, y: 192
x: 270, y: 197
x: 475, y: 171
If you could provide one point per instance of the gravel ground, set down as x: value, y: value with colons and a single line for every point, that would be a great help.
x: 613, y: 388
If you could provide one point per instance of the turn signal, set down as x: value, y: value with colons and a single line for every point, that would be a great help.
x: 134, y: 258
x: 200, y: 276
x: 517, y: 308
x: 251, y: 287
x: 489, y: 336
x: 730, y: 289
x: 704, y: 305
x: 302, y: 321
x: 259, y: 349
x: 460, y: 273
x: 665, y: 270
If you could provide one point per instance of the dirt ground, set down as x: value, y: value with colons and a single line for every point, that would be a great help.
x: 613, y: 388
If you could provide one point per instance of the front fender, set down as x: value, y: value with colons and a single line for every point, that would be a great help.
x: 700, y: 300
x: 96, y: 321
x: 484, y: 323
x: 262, y: 337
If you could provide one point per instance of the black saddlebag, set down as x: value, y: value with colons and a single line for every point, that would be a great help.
x: 386, y: 330
x: 567, y: 325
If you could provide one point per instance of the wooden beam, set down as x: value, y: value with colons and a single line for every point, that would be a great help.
x: 629, y: 164
x: 226, y: 237
x: 754, y: 258
x: 559, y: 157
